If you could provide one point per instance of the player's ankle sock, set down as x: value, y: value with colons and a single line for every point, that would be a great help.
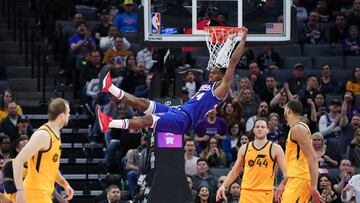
x: 121, y: 123
x: 117, y: 92
x: 154, y: 120
x: 150, y: 109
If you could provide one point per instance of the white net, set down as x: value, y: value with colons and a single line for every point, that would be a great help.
x: 221, y: 42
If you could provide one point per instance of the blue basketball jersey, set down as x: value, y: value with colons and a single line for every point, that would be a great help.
x: 202, y: 102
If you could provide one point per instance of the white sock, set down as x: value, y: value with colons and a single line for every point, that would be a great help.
x: 117, y: 92
x: 155, y: 119
x: 120, y: 123
x: 150, y: 109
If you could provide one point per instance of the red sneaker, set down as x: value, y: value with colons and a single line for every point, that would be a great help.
x: 103, y: 120
x: 106, y: 83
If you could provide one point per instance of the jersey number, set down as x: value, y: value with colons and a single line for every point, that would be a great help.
x: 260, y: 163
x: 198, y: 96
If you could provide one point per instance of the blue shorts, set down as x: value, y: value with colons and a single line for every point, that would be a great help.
x: 171, y: 120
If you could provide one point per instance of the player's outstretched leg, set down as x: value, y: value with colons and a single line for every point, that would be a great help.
x: 106, y: 122
x: 103, y: 120
x: 140, y: 104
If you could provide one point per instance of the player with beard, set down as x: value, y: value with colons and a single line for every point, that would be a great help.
x: 300, y: 158
x: 262, y: 112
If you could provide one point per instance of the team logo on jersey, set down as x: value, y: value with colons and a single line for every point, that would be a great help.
x: 206, y: 87
x: 251, y: 163
x: 55, y: 157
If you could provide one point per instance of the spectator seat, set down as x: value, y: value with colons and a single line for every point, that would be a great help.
x: 352, y: 61
x: 289, y: 62
x: 314, y: 50
x: 336, y: 62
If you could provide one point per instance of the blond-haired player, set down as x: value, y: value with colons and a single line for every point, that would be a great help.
x: 42, y: 153
x: 258, y: 159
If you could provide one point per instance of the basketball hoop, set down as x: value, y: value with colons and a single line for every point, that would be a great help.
x: 221, y: 42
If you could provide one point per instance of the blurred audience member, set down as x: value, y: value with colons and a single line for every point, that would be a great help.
x: 312, y: 32
x: 297, y: 82
x: 143, y: 90
x: 354, y: 17
x: 6, y: 98
x: 203, y: 177
x: 354, y: 149
x: 350, y: 100
x: 320, y: 104
x: 351, y: 43
x: 243, y: 84
x: 328, y: 83
x: 203, y: 195
x: 113, y: 195
x: 211, y: 126
x: 262, y: 112
x: 331, y: 123
x: 324, y: 160
x: 231, y: 111
x: 190, y: 158
x: 145, y: 56
x: 230, y: 145
x: 268, y: 59
x: 256, y: 78
x: 337, y: 32
x: 351, y: 192
x: 268, y: 93
x: 80, y: 43
x: 326, y: 189
x: 214, y: 155
x: 132, y: 166
x: 117, y: 54
x: 354, y: 84
x: 127, y: 21
x: 274, y: 127
x: 234, y: 193
x: 5, y: 147
x: 108, y: 41
x: 101, y: 29
x: 324, y: 11
x: 135, y: 75
x: 246, y: 58
x: 9, y: 124
x: 345, y: 174
x: 301, y: 12
x: 348, y: 133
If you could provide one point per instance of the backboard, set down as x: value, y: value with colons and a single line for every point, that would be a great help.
x: 181, y: 22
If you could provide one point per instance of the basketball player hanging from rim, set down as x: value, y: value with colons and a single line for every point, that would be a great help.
x: 165, y: 119
x: 257, y: 159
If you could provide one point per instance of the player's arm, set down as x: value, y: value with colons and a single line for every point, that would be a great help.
x: 278, y: 155
x: 238, y: 166
x: 344, y: 120
x: 225, y: 84
x: 280, y: 159
x: 301, y: 135
x: 40, y: 140
x: 233, y: 174
x: 64, y: 184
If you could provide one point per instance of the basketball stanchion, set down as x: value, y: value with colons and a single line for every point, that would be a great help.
x: 169, y: 183
x: 164, y: 165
